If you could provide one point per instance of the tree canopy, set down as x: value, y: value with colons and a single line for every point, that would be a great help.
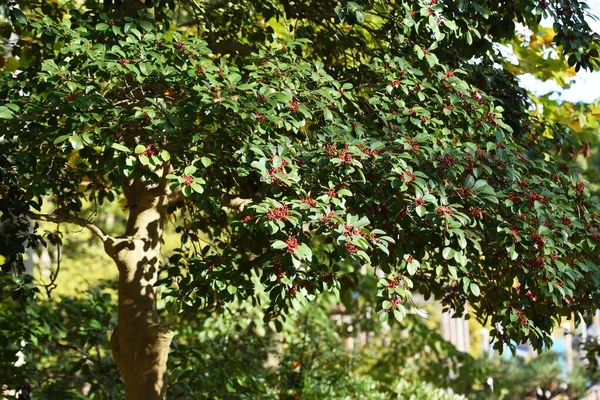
x: 311, y: 146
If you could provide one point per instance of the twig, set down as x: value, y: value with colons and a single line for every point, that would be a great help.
x: 53, y: 276
x: 231, y: 47
x: 72, y: 219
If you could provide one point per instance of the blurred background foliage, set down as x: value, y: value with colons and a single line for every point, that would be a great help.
x: 533, y: 53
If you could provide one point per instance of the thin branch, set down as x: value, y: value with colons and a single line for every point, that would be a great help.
x: 72, y: 220
x: 231, y: 47
x: 53, y: 276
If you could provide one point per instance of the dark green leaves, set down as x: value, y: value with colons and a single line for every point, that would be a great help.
x: 302, y: 168
x: 351, y: 13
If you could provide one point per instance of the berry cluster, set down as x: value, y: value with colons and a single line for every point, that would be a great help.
x: 350, y: 247
x: 311, y: 202
x: 278, y: 213
x: 292, y: 244
x: 294, y: 106
x: 187, y: 180
x: 444, y: 210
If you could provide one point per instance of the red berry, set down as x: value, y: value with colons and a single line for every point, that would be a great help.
x: 351, y: 248
x: 294, y: 106
x: 292, y: 244
x: 278, y: 213
x: 187, y: 180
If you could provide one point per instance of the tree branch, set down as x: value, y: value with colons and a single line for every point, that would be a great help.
x: 175, y: 196
x: 234, y: 202
x: 71, y: 219
x: 231, y: 47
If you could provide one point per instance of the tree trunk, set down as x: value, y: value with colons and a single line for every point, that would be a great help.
x: 140, y: 345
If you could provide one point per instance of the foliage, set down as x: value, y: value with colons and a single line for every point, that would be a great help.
x: 517, y: 378
x: 63, y: 346
x: 420, y: 354
x: 591, y: 358
x: 309, y: 162
x: 416, y: 390
x: 227, y: 355
x: 66, y: 354
x: 536, y: 54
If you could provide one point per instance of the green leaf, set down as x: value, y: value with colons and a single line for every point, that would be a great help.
x: 304, y: 252
x: 364, y: 221
x: 374, y: 100
x: 344, y: 193
x: 572, y: 60
x: 205, y: 161
x: 432, y: 60
x: 419, y: 51
x: 483, y: 11
x: 479, y: 184
x: 18, y: 15
x: 450, y: 25
x: 399, y: 313
x: 61, y: 139
x: 360, y: 17
x: 474, y: 289
x: 120, y: 147
x: 279, y: 244
x: 5, y: 113
x: 76, y: 142
x: 101, y: 27
x: 246, y: 86
x: 448, y: 253
x: 145, y: 161
x: 190, y: 170
x: 196, y: 187
x: 143, y: 68
x: 147, y: 26
x: 413, y: 266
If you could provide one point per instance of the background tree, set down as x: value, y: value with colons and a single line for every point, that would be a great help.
x: 381, y: 147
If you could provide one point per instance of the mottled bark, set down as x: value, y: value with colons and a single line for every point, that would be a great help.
x: 140, y: 345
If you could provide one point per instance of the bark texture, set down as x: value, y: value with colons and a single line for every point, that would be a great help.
x: 140, y: 345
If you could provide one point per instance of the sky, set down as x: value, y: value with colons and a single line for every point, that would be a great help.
x: 585, y: 85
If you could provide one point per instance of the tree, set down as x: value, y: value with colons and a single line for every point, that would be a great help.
x: 368, y: 140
